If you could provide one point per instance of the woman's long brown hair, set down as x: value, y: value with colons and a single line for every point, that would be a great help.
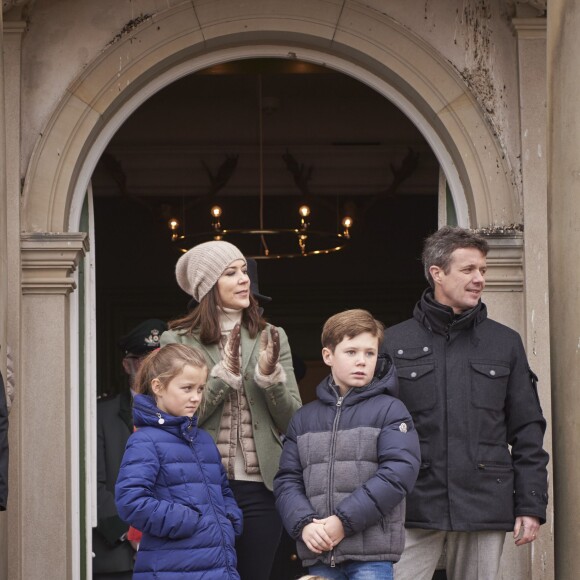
x: 203, y: 320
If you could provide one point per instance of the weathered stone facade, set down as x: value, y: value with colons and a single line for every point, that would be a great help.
x: 471, y: 75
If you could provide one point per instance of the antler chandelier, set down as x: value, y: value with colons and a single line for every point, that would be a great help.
x: 272, y: 242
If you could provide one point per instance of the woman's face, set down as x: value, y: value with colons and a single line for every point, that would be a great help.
x: 234, y: 286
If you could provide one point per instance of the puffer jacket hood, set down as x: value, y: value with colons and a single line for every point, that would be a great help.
x: 147, y: 414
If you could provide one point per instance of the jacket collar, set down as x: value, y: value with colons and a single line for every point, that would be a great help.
x: 441, y: 319
x: 147, y: 414
x: 125, y: 412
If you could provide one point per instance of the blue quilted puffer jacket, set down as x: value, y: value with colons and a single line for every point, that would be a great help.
x: 173, y: 488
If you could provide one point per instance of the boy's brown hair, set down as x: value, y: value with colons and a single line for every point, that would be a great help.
x: 349, y: 324
x: 164, y: 364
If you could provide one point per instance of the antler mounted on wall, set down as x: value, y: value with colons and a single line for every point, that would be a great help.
x: 400, y: 174
x: 222, y: 176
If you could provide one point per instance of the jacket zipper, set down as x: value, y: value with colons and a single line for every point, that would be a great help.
x: 494, y: 466
x: 331, y: 464
x: 209, y: 496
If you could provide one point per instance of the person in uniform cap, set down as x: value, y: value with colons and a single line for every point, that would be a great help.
x: 113, y: 553
x: 251, y: 393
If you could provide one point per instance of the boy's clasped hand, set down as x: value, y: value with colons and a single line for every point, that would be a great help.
x: 323, y: 535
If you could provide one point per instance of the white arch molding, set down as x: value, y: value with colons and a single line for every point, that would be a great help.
x: 361, y: 43
x: 269, y: 51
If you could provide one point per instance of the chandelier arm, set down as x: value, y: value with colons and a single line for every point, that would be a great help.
x: 261, y: 164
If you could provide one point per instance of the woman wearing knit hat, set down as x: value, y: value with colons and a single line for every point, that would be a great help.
x: 251, y: 392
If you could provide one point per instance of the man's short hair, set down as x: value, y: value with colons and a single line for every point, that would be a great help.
x: 440, y: 245
x: 349, y: 324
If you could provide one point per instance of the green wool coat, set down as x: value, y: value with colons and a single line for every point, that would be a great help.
x: 271, y: 408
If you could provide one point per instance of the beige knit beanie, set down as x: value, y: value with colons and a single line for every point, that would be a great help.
x: 199, y: 269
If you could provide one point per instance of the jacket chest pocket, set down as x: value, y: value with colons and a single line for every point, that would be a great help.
x: 489, y: 384
x: 416, y: 375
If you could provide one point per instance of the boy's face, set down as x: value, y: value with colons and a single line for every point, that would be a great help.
x: 353, y: 361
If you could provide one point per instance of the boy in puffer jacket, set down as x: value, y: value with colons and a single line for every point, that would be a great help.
x: 349, y: 459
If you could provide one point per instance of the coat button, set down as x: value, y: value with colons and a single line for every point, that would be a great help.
x: 533, y: 492
x: 413, y: 374
x: 498, y: 479
x: 425, y: 349
x: 400, y: 351
x: 492, y: 373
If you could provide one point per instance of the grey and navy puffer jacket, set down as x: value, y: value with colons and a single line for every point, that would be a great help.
x: 355, y: 457
x: 172, y: 486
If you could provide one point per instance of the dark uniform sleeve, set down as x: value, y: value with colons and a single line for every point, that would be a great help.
x: 109, y: 524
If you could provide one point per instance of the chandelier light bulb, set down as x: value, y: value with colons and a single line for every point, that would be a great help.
x: 173, y: 224
x: 304, y: 211
x: 216, y: 211
x: 346, y: 224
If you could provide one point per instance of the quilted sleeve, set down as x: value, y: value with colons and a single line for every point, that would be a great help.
x: 135, y: 497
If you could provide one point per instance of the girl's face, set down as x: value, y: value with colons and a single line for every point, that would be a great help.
x: 182, y: 395
x: 234, y: 286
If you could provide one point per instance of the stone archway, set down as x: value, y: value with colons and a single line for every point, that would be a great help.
x: 357, y: 41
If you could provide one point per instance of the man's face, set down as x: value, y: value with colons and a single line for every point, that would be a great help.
x: 461, y: 287
x: 353, y: 361
x: 131, y: 364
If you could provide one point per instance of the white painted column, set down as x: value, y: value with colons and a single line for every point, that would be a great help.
x: 563, y: 50
x: 531, y: 38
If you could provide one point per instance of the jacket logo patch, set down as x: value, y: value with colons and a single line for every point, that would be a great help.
x: 403, y: 427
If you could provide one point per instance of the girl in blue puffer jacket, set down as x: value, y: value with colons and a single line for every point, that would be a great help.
x: 171, y: 484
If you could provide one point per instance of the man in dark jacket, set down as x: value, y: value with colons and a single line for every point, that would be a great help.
x: 114, y: 554
x: 466, y: 381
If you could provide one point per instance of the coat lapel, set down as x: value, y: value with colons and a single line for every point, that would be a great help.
x: 249, y: 344
x: 211, y: 350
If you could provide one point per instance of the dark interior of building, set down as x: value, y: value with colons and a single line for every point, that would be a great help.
x: 286, y: 133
